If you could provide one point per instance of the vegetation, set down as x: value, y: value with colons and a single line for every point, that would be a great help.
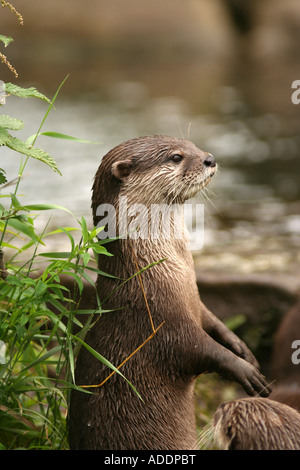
x: 37, y: 313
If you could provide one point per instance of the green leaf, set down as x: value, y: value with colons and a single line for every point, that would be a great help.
x: 101, y: 273
x: 50, y: 107
x: 85, y: 233
x: 23, y: 227
x: 58, y: 135
x: 4, y: 136
x: 87, y: 277
x: 58, y: 255
x: 47, y: 207
x: 43, y: 358
x: 100, y: 249
x: 6, y: 40
x: 71, y: 358
x: 3, y: 178
x: 9, y: 245
x: 21, y: 147
x: 77, y: 279
x: 41, y: 287
x: 15, y: 202
x: 66, y: 231
x: 104, y: 361
x: 24, y: 92
x: 61, y: 229
x: 85, y: 258
x: 11, y: 123
x: 95, y: 232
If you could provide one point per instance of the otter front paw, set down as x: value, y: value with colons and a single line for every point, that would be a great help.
x: 251, y: 379
x: 241, y: 349
x: 232, y: 342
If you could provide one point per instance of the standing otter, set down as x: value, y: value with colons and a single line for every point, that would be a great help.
x: 256, y: 424
x: 152, y: 170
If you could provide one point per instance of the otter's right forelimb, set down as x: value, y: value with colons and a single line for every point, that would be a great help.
x: 216, y: 329
x: 216, y: 358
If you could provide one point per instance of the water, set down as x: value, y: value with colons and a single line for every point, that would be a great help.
x: 253, y: 211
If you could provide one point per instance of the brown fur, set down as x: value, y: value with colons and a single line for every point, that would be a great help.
x: 191, y: 340
x: 257, y: 424
x: 285, y: 373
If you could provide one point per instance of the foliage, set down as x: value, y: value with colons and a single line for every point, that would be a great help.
x: 38, y: 313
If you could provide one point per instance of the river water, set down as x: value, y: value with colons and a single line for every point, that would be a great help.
x: 252, y: 211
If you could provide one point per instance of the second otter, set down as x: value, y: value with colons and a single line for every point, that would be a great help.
x: 257, y: 424
x: 152, y: 170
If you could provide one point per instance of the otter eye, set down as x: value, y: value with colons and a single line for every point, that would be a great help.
x: 177, y: 158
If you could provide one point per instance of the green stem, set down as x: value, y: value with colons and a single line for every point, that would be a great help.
x: 22, y: 167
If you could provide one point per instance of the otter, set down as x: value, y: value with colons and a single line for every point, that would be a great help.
x: 285, y: 368
x: 162, y: 303
x: 256, y: 424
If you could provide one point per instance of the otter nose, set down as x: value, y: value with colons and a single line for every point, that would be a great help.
x: 210, y: 160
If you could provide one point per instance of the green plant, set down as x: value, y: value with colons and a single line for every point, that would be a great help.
x: 37, y: 312
x: 37, y: 369
x: 38, y: 315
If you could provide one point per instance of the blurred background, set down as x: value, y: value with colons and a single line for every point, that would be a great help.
x: 219, y: 72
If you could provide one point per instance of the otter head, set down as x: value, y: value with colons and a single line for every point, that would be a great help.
x: 152, y: 170
x: 141, y: 185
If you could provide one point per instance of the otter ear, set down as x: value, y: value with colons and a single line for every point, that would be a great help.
x: 121, y: 169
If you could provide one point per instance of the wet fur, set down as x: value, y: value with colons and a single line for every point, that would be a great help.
x: 257, y: 424
x: 285, y: 373
x: 191, y: 340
